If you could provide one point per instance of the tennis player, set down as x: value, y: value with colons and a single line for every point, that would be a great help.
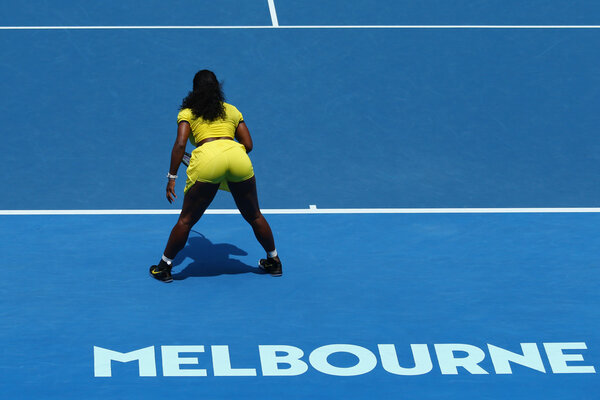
x: 222, y: 141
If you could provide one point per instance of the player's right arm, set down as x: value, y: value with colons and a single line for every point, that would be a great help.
x: 183, y: 132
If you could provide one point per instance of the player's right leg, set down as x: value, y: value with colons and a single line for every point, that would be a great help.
x: 195, y: 202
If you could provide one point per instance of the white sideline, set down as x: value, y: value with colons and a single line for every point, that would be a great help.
x: 314, y: 210
x: 277, y: 26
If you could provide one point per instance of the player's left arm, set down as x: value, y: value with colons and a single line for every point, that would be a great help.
x: 242, y: 134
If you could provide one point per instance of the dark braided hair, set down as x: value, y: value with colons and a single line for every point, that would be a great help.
x: 206, y: 99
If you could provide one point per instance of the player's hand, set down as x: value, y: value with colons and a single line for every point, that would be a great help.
x: 171, y: 190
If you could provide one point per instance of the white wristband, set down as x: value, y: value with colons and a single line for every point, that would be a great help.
x: 173, y: 177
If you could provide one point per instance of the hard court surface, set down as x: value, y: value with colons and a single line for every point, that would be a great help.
x: 370, y: 121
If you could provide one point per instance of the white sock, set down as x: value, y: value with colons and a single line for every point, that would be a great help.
x: 272, y: 254
x: 167, y: 260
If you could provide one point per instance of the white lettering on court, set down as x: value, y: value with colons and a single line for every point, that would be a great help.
x: 421, y: 356
x: 366, y: 360
x: 222, y: 363
x: 270, y: 360
x: 558, y: 360
x: 285, y: 360
x: 103, y: 357
x: 449, y: 363
x: 502, y: 358
x: 171, y: 361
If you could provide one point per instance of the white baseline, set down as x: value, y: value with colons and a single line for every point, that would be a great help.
x: 314, y: 210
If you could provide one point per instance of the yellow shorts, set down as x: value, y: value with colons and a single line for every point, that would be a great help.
x: 219, y: 161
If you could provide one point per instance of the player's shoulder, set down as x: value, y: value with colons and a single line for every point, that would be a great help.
x: 233, y: 113
x: 185, y: 114
x: 230, y: 107
x: 185, y: 111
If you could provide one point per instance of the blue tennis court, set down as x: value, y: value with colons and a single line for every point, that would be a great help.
x: 429, y: 171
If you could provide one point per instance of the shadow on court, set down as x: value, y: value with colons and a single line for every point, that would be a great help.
x: 210, y: 259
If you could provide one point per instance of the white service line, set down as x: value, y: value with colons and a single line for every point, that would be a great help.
x: 314, y: 210
x: 276, y: 25
x: 125, y: 27
x: 440, y: 26
x: 273, y: 12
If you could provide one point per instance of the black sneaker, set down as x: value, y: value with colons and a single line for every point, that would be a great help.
x: 271, y: 266
x: 162, y: 272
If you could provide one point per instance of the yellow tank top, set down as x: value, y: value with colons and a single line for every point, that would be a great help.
x: 202, y: 129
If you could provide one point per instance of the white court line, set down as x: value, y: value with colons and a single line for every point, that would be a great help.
x: 314, y: 210
x: 101, y: 27
x: 273, y: 12
x: 440, y: 26
x: 125, y: 27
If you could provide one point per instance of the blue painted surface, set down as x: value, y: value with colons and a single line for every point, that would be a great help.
x: 340, y: 118
x: 437, y: 12
x: 476, y: 279
x: 135, y: 12
x: 359, y: 118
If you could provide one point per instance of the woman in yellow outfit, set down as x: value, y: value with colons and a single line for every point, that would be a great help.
x: 218, y: 161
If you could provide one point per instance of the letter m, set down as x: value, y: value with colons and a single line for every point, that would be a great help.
x: 103, y: 358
